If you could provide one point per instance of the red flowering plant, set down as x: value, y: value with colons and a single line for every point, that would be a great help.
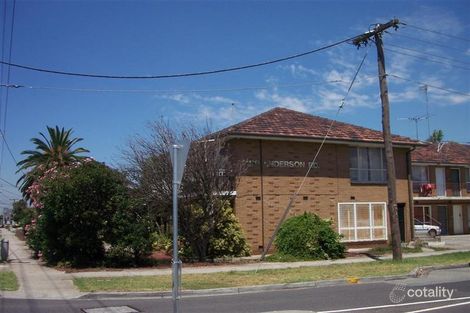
x: 37, y: 189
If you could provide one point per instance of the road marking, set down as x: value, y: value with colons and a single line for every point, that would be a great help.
x: 440, y: 307
x: 392, y: 305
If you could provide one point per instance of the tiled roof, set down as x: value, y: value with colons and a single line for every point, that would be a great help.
x: 449, y: 153
x: 281, y: 122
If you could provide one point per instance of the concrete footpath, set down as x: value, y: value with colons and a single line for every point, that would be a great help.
x: 36, y: 281
x: 41, y: 282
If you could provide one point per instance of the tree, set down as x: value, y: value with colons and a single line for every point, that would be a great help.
x: 56, y: 151
x: 436, y: 136
x: 204, y: 204
x: 22, y: 213
x: 79, y: 204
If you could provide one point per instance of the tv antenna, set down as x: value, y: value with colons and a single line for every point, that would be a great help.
x: 425, y: 89
x: 416, y: 119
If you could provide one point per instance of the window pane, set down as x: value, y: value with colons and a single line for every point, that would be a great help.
x: 363, y: 164
x: 353, y: 157
x: 419, y: 174
x: 348, y: 234
x: 346, y: 216
x: 376, y: 165
x: 378, y: 213
x: 379, y: 234
x: 362, y: 215
x: 363, y: 234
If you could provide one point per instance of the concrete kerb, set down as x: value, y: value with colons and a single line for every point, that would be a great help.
x: 418, y: 272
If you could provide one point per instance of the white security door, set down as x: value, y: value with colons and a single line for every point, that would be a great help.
x: 440, y: 181
x: 458, y: 220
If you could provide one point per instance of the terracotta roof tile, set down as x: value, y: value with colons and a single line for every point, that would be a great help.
x: 448, y: 153
x: 281, y: 122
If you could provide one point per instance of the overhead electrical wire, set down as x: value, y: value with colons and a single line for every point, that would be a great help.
x: 7, y: 93
x: 430, y: 54
x: 1, y: 65
x: 8, y: 146
x: 435, y: 32
x: 189, y: 74
x: 8, y: 191
x: 427, y: 59
x: 430, y: 85
x: 17, y: 86
x: 427, y: 42
x: 7, y: 182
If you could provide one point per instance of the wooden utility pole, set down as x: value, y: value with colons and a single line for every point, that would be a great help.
x: 391, y: 177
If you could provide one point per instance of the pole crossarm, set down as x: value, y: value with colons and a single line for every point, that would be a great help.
x: 379, y: 28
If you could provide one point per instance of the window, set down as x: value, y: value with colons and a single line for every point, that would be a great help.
x: 367, y: 165
x: 362, y: 221
x: 419, y: 175
x: 423, y: 214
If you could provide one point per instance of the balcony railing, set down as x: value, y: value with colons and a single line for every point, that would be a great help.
x: 417, y: 185
x: 453, y: 189
x: 426, y: 189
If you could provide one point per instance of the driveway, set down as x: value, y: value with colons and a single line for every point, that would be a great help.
x: 459, y: 242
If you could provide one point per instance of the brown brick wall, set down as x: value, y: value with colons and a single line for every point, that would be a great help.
x: 261, y: 200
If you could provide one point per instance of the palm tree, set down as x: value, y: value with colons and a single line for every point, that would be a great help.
x: 55, y: 151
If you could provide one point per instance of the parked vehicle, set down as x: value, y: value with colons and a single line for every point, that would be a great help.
x: 426, y: 229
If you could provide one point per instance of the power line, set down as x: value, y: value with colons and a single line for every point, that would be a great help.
x: 432, y: 86
x: 430, y: 54
x: 10, y: 192
x: 427, y: 59
x: 435, y: 32
x: 1, y: 65
x: 7, y: 94
x: 8, y: 146
x: 217, y: 71
x: 7, y: 182
x: 16, y: 86
x: 427, y: 42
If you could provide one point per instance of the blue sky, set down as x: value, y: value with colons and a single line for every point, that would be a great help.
x: 152, y: 37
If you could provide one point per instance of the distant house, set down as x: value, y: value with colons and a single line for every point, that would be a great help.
x: 347, y: 183
x: 441, y: 186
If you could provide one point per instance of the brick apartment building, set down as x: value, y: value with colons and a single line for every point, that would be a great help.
x: 347, y: 183
x: 441, y: 186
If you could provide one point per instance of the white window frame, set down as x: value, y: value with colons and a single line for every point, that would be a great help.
x: 383, y: 168
x: 371, y: 226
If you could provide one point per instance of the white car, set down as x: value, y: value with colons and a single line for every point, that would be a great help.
x: 426, y: 229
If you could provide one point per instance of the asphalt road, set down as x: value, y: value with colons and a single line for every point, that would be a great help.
x: 408, y: 295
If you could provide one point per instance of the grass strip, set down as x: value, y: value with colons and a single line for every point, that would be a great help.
x: 8, y: 281
x: 264, y: 277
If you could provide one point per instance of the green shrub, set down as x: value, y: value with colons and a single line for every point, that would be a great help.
x: 309, y: 236
x: 210, y: 236
x: 129, y: 232
x: 228, y: 239
x: 78, y: 210
x: 162, y: 242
